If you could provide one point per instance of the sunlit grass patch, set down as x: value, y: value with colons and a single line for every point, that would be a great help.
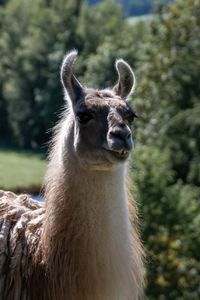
x: 21, y: 170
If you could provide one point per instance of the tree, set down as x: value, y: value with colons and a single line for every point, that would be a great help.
x: 34, y: 38
x: 168, y: 99
x: 115, y: 38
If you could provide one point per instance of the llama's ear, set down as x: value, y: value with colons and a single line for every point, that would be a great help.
x: 126, y: 80
x: 69, y: 81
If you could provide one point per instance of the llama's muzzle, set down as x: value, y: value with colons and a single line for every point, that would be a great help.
x: 119, y: 141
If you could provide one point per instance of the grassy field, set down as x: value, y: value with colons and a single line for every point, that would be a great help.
x: 21, y: 171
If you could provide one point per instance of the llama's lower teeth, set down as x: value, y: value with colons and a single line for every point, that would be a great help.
x: 123, y: 152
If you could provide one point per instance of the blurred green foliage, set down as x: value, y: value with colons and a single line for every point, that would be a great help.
x: 168, y: 153
x: 164, y: 52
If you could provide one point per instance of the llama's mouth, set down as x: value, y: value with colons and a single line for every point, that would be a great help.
x: 120, y: 155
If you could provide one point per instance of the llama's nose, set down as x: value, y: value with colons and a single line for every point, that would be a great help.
x: 120, y: 138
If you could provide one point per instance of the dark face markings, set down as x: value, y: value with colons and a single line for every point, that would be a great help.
x: 97, y: 104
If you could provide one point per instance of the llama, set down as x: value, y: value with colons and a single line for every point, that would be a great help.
x: 82, y: 244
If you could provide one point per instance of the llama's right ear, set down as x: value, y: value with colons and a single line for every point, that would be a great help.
x: 126, y: 79
x: 70, y: 82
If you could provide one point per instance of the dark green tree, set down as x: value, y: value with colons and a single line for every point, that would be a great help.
x: 115, y: 38
x: 169, y: 126
x: 34, y: 38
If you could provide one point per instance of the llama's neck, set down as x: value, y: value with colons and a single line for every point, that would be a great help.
x: 87, y: 235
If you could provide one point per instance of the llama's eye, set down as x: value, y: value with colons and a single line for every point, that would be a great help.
x: 131, y: 118
x: 84, y: 117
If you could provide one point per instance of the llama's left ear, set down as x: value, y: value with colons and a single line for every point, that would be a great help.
x: 126, y: 80
x: 69, y: 81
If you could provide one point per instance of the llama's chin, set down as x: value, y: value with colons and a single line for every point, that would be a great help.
x: 103, y: 160
x: 94, y: 162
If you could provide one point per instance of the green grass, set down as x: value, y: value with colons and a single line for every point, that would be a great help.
x: 21, y: 171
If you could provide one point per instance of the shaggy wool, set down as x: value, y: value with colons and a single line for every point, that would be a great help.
x: 21, y: 220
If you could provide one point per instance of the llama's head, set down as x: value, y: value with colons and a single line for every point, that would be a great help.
x: 102, y: 119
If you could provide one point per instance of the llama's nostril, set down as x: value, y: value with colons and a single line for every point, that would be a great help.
x: 128, y: 135
x: 115, y: 134
x: 121, y: 133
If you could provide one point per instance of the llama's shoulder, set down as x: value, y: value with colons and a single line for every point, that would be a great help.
x: 21, y: 220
